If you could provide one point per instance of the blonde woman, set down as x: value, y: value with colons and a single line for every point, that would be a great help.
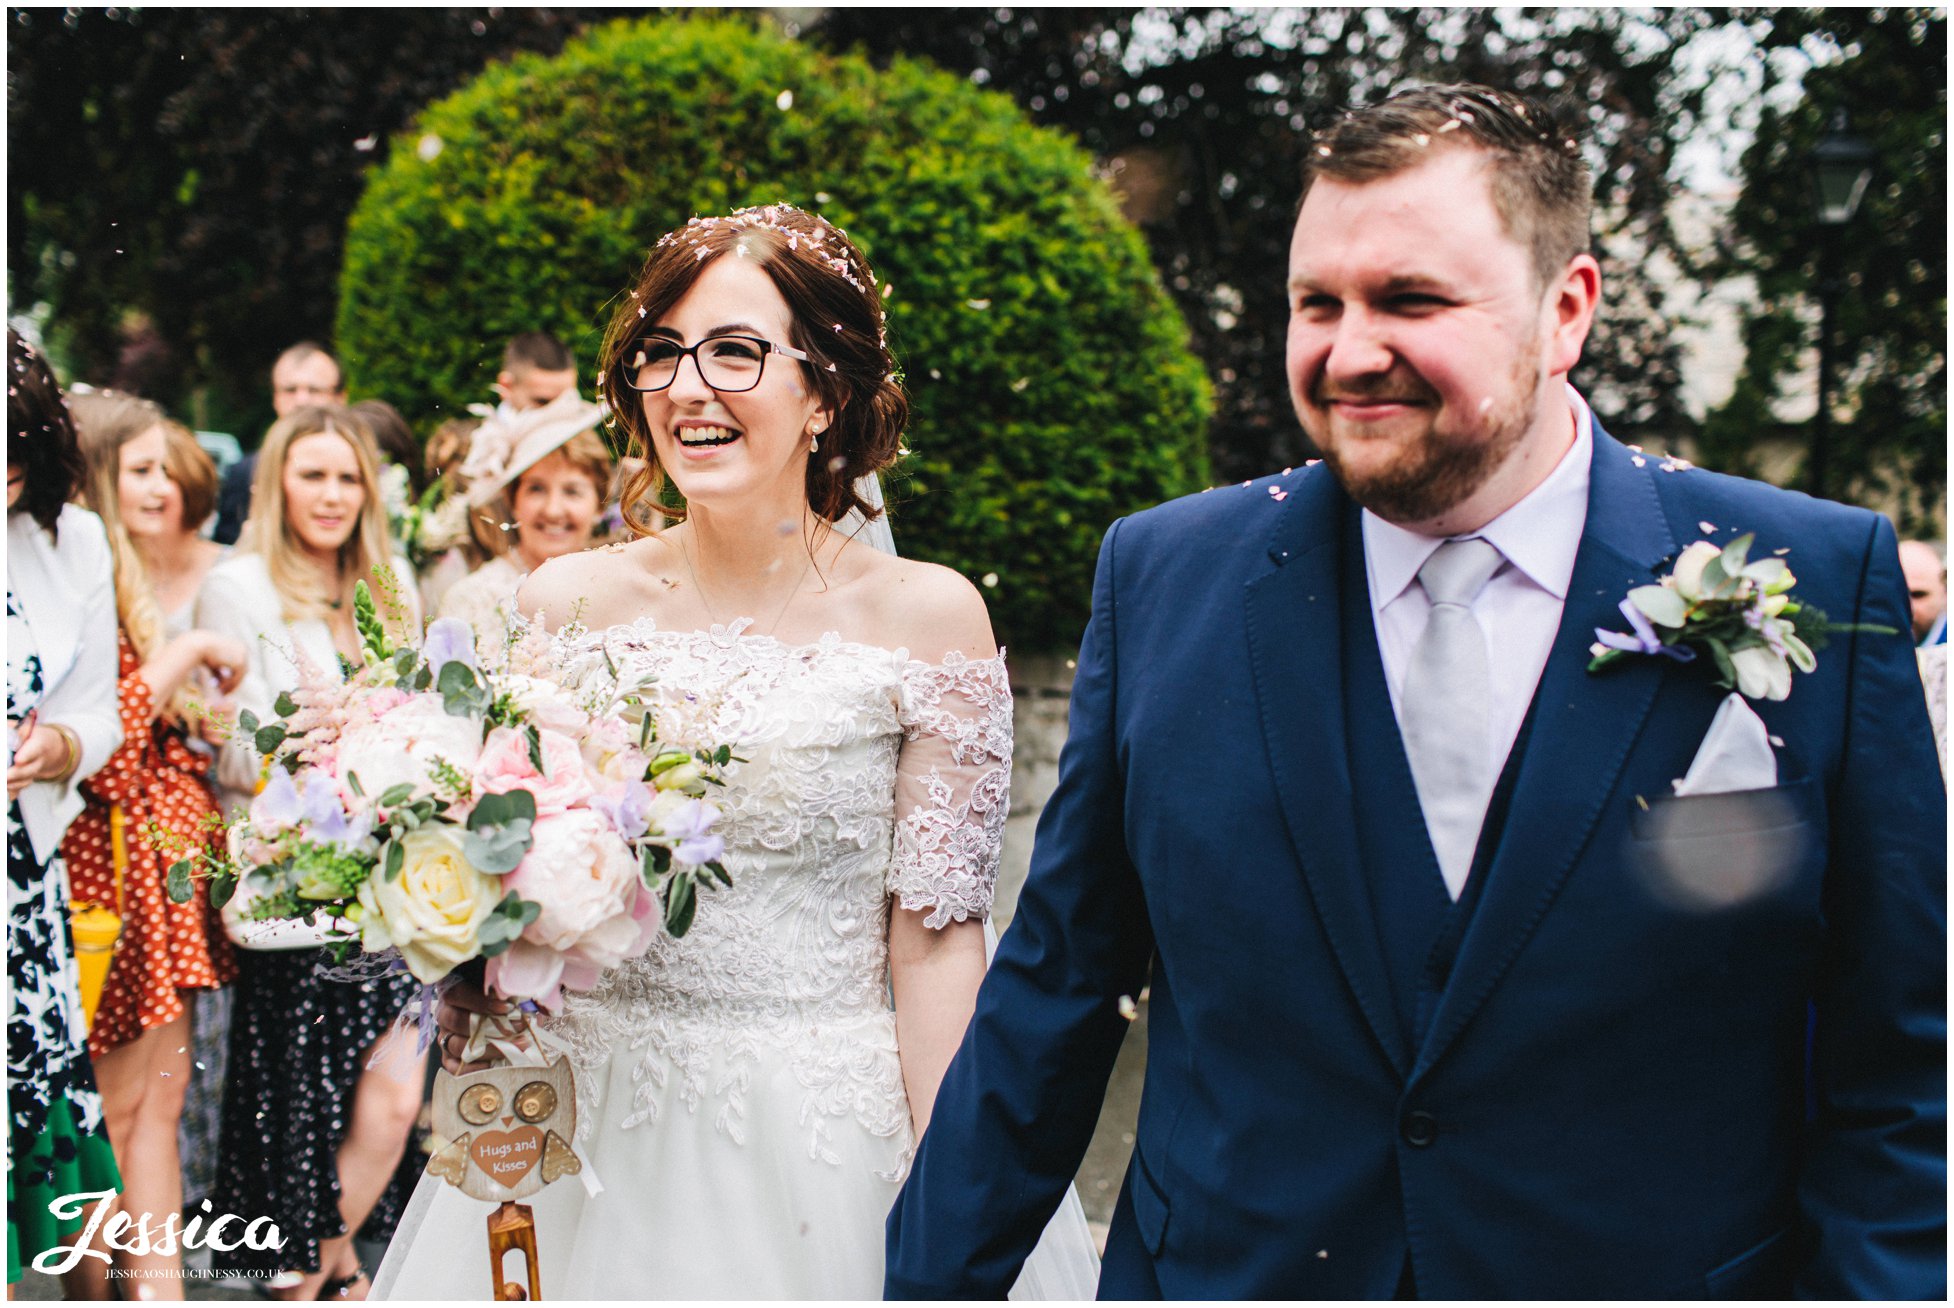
x: 554, y: 468
x: 146, y: 808
x: 316, y: 1116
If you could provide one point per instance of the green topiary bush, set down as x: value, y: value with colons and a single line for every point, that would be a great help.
x: 1052, y: 386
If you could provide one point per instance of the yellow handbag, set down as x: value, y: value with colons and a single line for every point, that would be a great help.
x: 98, y: 929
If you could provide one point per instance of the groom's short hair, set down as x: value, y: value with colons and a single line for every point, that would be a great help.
x: 1541, y: 187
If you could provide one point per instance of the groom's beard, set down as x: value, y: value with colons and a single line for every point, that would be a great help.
x: 1439, y: 468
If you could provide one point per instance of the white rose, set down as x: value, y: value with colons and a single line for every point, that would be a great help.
x: 403, y: 745
x: 433, y: 911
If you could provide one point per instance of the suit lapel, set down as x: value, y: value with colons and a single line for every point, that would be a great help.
x: 1295, y: 649
x: 1584, y: 726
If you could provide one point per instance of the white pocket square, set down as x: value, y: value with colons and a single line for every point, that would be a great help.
x: 1735, y: 754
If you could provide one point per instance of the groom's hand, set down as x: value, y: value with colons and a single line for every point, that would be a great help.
x: 460, y: 1005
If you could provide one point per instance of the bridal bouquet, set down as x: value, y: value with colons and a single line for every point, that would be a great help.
x: 442, y: 813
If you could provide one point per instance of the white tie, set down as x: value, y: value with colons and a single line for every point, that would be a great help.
x: 1447, y: 723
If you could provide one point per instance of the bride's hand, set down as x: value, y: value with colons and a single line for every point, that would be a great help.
x: 460, y: 1003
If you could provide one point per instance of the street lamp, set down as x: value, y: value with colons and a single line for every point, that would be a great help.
x: 1841, y: 168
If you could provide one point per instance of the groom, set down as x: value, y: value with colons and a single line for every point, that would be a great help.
x: 1453, y: 994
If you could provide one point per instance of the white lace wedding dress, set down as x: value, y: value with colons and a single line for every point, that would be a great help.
x: 738, y: 1090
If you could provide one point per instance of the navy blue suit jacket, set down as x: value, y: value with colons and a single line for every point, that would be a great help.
x: 1608, y: 1098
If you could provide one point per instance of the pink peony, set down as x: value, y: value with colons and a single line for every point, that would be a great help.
x: 505, y: 765
x: 597, y: 911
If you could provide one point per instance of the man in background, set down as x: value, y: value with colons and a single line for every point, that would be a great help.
x: 304, y: 374
x: 1926, y: 574
x: 536, y: 369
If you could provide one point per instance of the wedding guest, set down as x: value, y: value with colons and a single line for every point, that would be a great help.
x: 62, y: 726
x: 317, y: 1117
x: 147, y: 808
x: 460, y: 538
x: 394, y: 439
x: 555, y: 469
x: 536, y: 369
x: 1933, y: 680
x: 1926, y: 573
x: 304, y: 374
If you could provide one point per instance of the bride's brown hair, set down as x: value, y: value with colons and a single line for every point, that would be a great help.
x: 837, y: 321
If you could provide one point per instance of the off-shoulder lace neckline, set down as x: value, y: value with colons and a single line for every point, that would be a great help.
x: 729, y: 634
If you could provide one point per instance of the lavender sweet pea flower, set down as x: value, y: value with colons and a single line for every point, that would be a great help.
x: 628, y: 806
x: 690, y: 828
x: 449, y: 640
x: 278, y: 803
x: 328, y: 823
x: 1644, y: 641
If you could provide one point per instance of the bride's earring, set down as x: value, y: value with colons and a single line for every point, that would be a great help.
x: 814, y: 439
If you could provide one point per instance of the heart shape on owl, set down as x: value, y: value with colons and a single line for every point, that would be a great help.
x: 508, y: 1156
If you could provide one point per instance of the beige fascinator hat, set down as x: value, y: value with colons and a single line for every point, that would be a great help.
x: 507, y: 445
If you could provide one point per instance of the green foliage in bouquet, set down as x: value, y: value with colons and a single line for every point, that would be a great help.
x: 1052, y: 385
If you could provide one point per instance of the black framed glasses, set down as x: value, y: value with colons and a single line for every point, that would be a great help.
x: 725, y: 363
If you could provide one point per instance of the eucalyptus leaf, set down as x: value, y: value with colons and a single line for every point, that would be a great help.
x: 1659, y: 605
x: 179, y: 882
x: 496, y: 809
x: 284, y: 706
x: 1736, y: 553
x: 222, y: 886
x: 398, y: 793
x: 1715, y: 580
x: 268, y: 739
x: 396, y: 859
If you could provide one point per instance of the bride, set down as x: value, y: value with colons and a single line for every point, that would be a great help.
x: 748, y: 1093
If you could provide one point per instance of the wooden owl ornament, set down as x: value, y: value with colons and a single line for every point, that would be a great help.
x: 508, y: 1130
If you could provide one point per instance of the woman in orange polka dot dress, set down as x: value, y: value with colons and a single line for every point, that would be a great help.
x: 140, y: 1036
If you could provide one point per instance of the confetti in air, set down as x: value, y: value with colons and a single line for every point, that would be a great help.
x: 784, y: 101
x: 430, y: 146
x: 1127, y: 1008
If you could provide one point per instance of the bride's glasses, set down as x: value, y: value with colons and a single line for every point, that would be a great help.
x: 725, y: 363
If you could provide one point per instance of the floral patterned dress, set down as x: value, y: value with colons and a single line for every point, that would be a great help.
x: 57, y: 1144
x: 166, y: 948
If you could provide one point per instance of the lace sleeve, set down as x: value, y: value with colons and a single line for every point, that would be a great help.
x: 953, y: 787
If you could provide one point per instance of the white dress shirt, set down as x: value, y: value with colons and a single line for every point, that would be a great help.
x: 1520, y: 608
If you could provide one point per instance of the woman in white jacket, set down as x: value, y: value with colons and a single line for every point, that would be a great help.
x: 62, y: 725
x: 315, y: 1124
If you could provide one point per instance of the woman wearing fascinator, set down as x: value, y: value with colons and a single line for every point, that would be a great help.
x: 752, y: 1092
x: 547, y: 470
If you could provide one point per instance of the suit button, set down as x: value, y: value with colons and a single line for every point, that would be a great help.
x: 1419, y: 1129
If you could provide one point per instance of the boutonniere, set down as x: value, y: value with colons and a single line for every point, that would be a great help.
x: 1742, y: 614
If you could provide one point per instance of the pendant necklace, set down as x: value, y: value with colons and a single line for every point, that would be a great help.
x: 720, y: 634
